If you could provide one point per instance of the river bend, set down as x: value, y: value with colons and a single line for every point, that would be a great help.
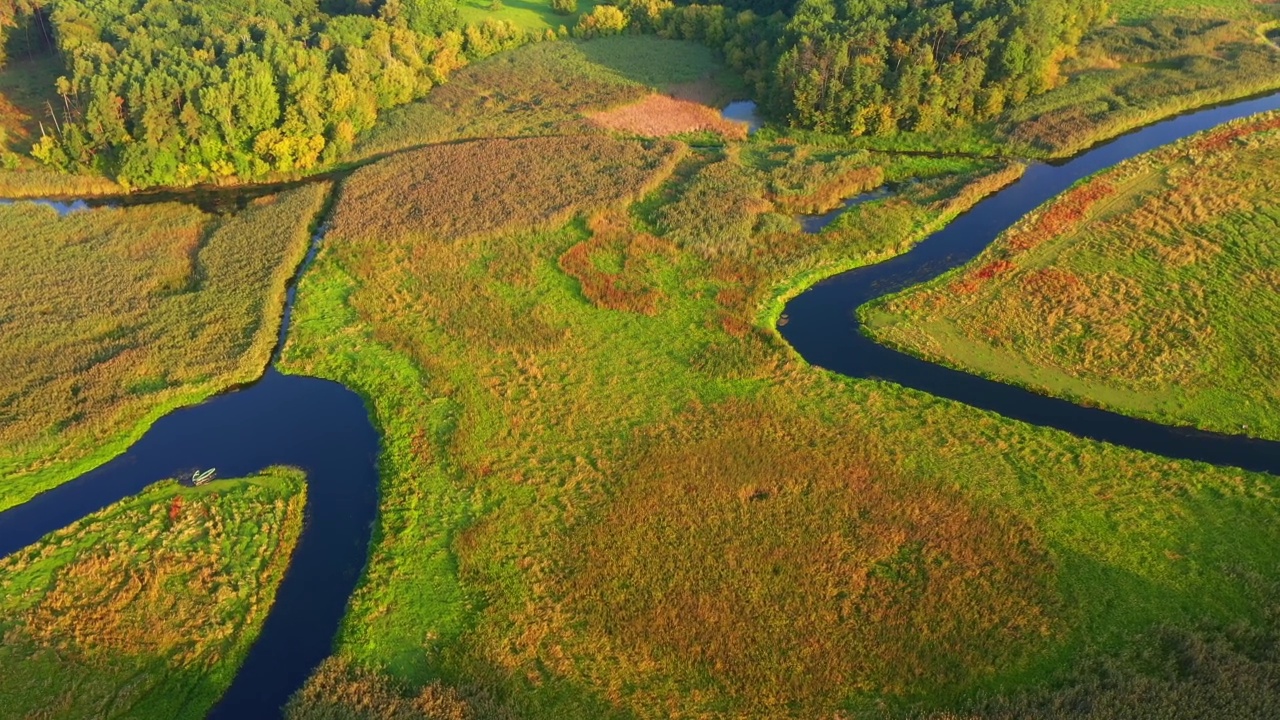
x: 325, y: 430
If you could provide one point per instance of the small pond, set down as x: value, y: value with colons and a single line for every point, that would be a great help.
x: 744, y: 111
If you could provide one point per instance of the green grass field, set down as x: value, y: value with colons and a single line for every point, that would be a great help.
x: 146, y: 609
x: 1151, y: 289
x: 610, y: 490
x: 1138, y: 10
x: 113, y: 317
x: 534, y: 16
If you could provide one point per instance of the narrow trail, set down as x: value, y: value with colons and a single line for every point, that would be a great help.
x: 325, y: 429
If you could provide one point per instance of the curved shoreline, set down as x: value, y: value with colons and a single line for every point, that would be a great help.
x: 325, y: 429
x: 309, y: 423
x: 822, y: 322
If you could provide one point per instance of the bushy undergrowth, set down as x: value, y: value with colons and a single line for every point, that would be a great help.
x: 616, y: 266
x: 1150, y: 289
x: 802, y: 180
x: 452, y: 191
x: 114, y: 316
x: 147, y: 608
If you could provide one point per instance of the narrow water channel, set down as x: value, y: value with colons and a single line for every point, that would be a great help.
x: 324, y: 429
x: 315, y: 425
x: 822, y: 323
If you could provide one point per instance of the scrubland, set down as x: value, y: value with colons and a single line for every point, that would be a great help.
x: 112, y: 317
x: 1152, y: 289
x: 146, y: 608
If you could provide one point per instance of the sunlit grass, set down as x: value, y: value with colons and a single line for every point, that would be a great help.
x: 147, y: 608
x: 113, y: 317
x: 1151, y: 289
x: 609, y: 490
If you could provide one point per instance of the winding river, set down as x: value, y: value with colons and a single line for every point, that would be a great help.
x: 324, y: 428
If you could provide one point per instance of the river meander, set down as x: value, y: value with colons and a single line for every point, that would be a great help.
x: 325, y: 430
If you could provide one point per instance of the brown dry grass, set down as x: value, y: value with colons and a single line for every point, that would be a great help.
x: 664, y: 116
x: 485, y: 187
x: 114, y: 316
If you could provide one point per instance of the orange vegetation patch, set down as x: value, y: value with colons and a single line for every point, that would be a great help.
x: 780, y: 560
x: 1223, y: 138
x: 975, y: 279
x: 627, y: 290
x: 1062, y: 216
x: 663, y: 116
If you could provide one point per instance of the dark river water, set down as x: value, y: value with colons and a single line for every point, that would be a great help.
x: 822, y: 324
x: 324, y: 429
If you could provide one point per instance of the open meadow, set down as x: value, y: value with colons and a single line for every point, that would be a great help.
x: 610, y: 490
x: 114, y: 316
x: 1152, y: 289
x: 146, y: 608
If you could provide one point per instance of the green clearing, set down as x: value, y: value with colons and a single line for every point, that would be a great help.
x: 26, y: 94
x: 1152, y: 289
x: 113, y: 317
x: 146, y: 608
x: 1129, y: 11
x: 534, y: 16
x: 609, y: 490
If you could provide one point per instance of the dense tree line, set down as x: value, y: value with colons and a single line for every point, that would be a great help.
x: 879, y: 66
x: 183, y: 91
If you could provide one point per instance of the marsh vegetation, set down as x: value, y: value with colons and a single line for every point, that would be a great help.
x: 114, y: 316
x: 608, y: 488
x: 147, y: 608
x: 1151, y: 288
x: 608, y: 491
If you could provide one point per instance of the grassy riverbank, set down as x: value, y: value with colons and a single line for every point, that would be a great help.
x: 147, y: 608
x: 1150, y: 289
x: 610, y: 490
x: 113, y: 317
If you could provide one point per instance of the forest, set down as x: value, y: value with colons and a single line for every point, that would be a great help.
x: 180, y: 92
